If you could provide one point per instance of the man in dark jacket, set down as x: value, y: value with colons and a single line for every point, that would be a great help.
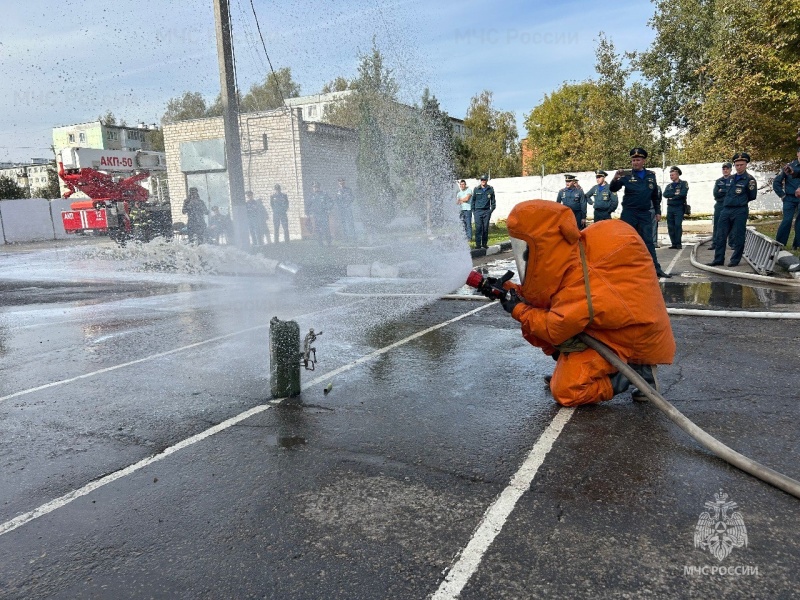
x: 721, y: 186
x: 787, y: 185
x: 676, y: 193
x: 572, y: 197
x: 604, y: 200
x: 733, y: 218
x: 641, y: 195
x: 279, y: 202
x: 483, y: 204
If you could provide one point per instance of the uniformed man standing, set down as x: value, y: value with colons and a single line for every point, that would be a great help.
x: 721, y: 186
x: 733, y: 218
x: 604, y: 200
x: 641, y: 195
x: 483, y: 204
x: 675, y: 193
x: 787, y: 185
x: 572, y: 197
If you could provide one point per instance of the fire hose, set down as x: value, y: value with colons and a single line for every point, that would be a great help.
x: 779, y: 480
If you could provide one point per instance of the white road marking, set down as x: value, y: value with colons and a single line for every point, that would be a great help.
x: 674, y: 261
x: 148, y: 358
x: 496, y: 515
x: 67, y: 498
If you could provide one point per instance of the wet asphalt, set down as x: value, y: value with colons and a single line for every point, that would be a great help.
x: 374, y: 489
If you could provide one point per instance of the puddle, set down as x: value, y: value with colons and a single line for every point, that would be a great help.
x: 725, y: 295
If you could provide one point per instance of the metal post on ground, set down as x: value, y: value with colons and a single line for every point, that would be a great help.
x: 230, y: 116
x: 284, y: 358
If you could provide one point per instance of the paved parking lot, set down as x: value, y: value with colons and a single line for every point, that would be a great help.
x: 139, y: 463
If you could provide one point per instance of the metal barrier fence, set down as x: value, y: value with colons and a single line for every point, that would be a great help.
x: 761, y: 251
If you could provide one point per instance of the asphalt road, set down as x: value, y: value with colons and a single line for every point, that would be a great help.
x: 141, y: 455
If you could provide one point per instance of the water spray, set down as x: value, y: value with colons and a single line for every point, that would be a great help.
x: 488, y: 286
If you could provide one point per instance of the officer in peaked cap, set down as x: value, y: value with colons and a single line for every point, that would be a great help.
x: 573, y: 198
x: 640, y: 197
x: 733, y: 217
x: 676, y: 192
x: 604, y: 200
x: 483, y: 204
x: 721, y: 186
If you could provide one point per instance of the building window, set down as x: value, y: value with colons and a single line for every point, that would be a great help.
x: 112, y: 135
x: 312, y: 111
x: 264, y: 142
x: 82, y: 137
x: 71, y: 138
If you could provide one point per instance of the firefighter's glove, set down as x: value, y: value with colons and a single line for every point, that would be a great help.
x: 573, y: 344
x: 510, y: 300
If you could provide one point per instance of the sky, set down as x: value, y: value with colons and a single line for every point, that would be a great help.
x: 70, y: 61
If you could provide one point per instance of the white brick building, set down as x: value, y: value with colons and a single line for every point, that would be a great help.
x: 278, y: 146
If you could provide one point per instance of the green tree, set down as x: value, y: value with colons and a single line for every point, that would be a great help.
x: 753, y: 99
x: 591, y: 124
x: 155, y: 139
x: 271, y: 93
x: 492, y: 142
x: 340, y: 84
x: 677, y: 62
x: 9, y: 190
x: 191, y: 105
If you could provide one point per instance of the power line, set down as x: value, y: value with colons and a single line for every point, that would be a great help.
x: 274, y: 75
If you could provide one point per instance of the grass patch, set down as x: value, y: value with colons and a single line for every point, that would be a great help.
x: 770, y: 229
x: 498, y: 232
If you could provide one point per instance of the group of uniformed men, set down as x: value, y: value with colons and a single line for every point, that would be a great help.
x: 641, y: 203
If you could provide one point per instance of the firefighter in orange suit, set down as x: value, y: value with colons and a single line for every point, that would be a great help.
x: 600, y: 281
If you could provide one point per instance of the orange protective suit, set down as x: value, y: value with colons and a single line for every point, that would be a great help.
x: 629, y: 311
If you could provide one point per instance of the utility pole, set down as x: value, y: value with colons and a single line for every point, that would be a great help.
x: 230, y: 116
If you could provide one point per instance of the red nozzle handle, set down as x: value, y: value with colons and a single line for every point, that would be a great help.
x: 474, y: 279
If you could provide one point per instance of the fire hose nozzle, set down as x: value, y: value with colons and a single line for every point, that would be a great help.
x: 491, y: 287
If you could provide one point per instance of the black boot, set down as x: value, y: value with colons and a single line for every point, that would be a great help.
x: 648, y: 373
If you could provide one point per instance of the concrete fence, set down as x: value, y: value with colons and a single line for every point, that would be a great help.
x: 32, y: 219
x: 701, y: 178
x: 38, y: 219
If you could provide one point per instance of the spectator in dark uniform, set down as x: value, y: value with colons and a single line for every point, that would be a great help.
x: 319, y: 208
x: 572, y: 197
x: 257, y: 219
x: 195, y: 210
x: 676, y: 193
x: 604, y: 200
x: 279, y: 202
x: 733, y: 218
x: 787, y: 185
x: 344, y: 210
x: 721, y: 186
x: 483, y: 204
x: 641, y: 195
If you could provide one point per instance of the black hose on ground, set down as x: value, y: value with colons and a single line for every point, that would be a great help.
x: 780, y: 481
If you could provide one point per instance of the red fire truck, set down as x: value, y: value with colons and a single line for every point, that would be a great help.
x: 110, y: 179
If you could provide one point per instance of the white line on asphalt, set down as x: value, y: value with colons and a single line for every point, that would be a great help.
x: 495, y: 516
x: 62, y: 501
x: 674, y: 261
x: 146, y: 358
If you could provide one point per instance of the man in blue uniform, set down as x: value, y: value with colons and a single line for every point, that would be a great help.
x: 787, y: 185
x: 604, y: 200
x: 572, y: 197
x: 641, y: 195
x: 675, y: 193
x: 721, y: 186
x: 483, y: 204
x: 733, y: 218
